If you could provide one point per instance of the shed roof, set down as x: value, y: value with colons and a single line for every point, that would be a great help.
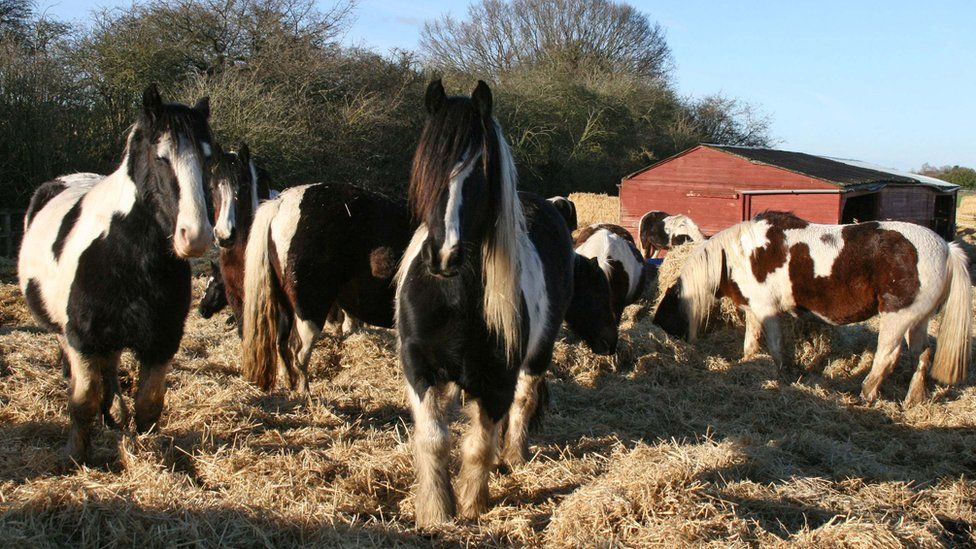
x: 839, y: 171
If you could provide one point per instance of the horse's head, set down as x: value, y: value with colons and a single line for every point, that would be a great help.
x: 455, y: 183
x: 671, y: 314
x: 232, y: 185
x: 214, y: 299
x: 590, y: 314
x: 168, y: 149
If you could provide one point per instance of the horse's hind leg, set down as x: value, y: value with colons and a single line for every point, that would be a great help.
x: 477, y: 460
x: 305, y: 334
x: 150, y: 394
x: 893, y: 328
x: 112, y: 397
x: 921, y: 355
x: 84, y: 398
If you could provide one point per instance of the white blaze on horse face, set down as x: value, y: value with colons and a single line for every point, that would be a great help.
x: 452, y: 214
x: 192, y: 234
x: 227, y: 216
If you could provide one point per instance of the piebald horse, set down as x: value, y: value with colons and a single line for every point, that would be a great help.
x: 103, y: 262
x: 483, y: 289
x: 612, y: 248
x: 567, y: 209
x: 778, y: 262
x: 659, y: 231
x: 311, y: 248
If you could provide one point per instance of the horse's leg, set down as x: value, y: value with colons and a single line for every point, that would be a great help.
x: 920, y: 354
x: 516, y: 448
x: 63, y: 356
x: 84, y: 397
x: 349, y: 324
x: 477, y: 460
x: 893, y: 329
x: 434, y: 501
x: 750, y: 347
x: 112, y: 396
x: 150, y: 393
x: 306, y: 333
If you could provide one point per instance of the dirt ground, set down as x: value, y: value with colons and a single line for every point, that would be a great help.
x: 670, y: 444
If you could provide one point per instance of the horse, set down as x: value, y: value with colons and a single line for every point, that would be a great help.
x: 214, y: 295
x: 567, y: 209
x: 612, y: 248
x: 103, y: 263
x: 313, y: 247
x: 238, y: 186
x: 778, y: 262
x: 482, y: 291
x: 661, y: 231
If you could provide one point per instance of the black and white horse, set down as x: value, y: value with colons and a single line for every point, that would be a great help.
x: 483, y: 289
x: 311, y: 248
x: 567, y: 209
x: 613, y: 250
x: 214, y: 295
x: 778, y: 263
x: 659, y: 231
x: 103, y: 262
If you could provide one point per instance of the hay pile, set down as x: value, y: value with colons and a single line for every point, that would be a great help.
x: 595, y: 208
x: 681, y: 445
x: 966, y: 213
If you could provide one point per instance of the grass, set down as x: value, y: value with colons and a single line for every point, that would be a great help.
x: 671, y: 445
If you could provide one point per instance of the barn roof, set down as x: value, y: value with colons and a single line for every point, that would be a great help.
x: 838, y: 171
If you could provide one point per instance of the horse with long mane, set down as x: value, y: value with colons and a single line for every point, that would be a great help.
x: 658, y: 231
x: 238, y: 186
x: 103, y: 263
x: 483, y: 289
x: 311, y: 248
x: 778, y: 262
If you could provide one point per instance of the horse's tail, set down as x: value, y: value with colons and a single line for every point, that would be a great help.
x: 261, y: 302
x: 952, y: 347
x: 640, y: 236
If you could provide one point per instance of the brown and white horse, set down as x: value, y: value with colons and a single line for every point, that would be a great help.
x: 613, y: 249
x: 659, y: 231
x: 778, y: 262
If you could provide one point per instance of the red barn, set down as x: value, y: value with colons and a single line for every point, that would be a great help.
x: 718, y: 186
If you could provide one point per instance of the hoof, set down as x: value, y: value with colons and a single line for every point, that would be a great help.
x: 431, y: 514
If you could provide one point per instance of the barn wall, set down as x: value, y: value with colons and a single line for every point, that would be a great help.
x: 915, y: 204
x: 703, y: 183
x: 816, y: 208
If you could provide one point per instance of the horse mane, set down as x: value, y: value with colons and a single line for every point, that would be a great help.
x: 701, y: 274
x: 458, y: 132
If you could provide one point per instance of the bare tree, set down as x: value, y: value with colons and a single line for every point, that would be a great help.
x: 728, y: 121
x: 498, y: 36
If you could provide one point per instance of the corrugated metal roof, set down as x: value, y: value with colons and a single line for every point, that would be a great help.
x: 839, y: 171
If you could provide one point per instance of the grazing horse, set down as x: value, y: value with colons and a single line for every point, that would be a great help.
x: 661, y: 231
x: 103, y: 263
x: 310, y: 248
x: 483, y: 289
x: 567, y: 209
x: 841, y: 273
x: 613, y: 249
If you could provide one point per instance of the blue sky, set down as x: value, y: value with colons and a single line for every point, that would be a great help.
x: 890, y: 82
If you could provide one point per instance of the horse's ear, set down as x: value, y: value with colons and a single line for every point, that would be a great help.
x: 152, y: 103
x: 203, y: 107
x: 435, y: 97
x: 482, y: 98
x: 244, y: 153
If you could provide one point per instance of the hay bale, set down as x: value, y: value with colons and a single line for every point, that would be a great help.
x: 596, y: 208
